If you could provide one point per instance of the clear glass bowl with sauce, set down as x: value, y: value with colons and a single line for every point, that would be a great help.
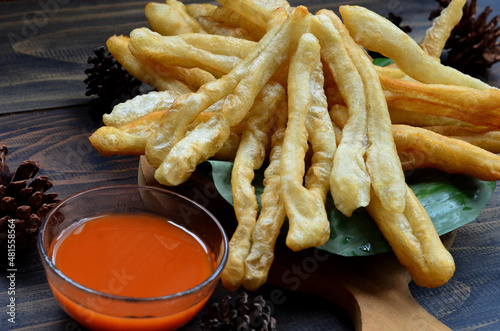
x: 127, y: 237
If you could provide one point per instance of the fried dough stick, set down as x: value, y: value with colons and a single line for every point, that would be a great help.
x: 436, y: 36
x: 480, y: 108
x: 434, y: 39
x: 249, y: 157
x: 110, y: 140
x: 305, y: 208
x: 139, y: 106
x: 272, y: 213
x: 222, y: 45
x: 321, y: 137
x: 256, y: 11
x: 174, y: 123
x: 349, y: 181
x: 214, y: 27
x: 163, y: 78
x: 421, y: 148
x: 399, y: 116
x: 131, y: 138
x: 236, y: 105
x: 171, y: 18
x: 386, y: 175
x: 415, y: 241
x: 174, y: 51
x: 226, y: 16
x: 419, y: 104
x: 485, y: 139
x: 378, y: 34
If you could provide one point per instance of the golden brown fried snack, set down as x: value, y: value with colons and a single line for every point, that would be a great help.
x: 384, y: 167
x: 109, y: 140
x: 163, y: 78
x: 272, y: 213
x: 477, y: 136
x: 198, y: 145
x: 305, y: 207
x: 415, y: 241
x: 349, y: 181
x: 421, y: 148
x: 226, y: 17
x: 256, y: 11
x: 223, y: 118
x: 378, y: 34
x: 221, y: 45
x: 390, y: 71
x: 147, y: 45
x: 174, y: 124
x: 436, y: 36
x: 139, y: 106
x: 250, y: 157
x: 131, y: 137
x: 213, y: 27
x: 399, y: 116
x: 480, y: 108
x: 237, y: 104
x: 177, y: 167
x: 321, y: 137
x: 171, y: 18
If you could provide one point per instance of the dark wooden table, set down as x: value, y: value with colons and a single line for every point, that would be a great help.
x: 45, y: 116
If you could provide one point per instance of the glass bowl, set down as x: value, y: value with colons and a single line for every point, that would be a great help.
x: 99, y: 310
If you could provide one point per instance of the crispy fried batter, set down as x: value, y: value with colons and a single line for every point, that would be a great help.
x: 349, y: 181
x: 436, y: 36
x: 421, y: 148
x: 480, y: 108
x: 305, y: 208
x: 171, y: 18
x: 380, y: 35
x: 186, y: 108
x: 415, y: 241
x: 250, y: 157
x: 386, y: 175
x: 272, y: 213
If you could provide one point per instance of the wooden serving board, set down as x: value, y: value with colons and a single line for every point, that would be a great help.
x: 373, y: 290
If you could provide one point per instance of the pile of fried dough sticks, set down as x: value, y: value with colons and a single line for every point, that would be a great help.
x: 265, y: 84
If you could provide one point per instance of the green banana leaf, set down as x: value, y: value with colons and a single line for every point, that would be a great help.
x: 450, y: 200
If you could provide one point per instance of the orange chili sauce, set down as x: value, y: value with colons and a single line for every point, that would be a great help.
x: 131, y: 255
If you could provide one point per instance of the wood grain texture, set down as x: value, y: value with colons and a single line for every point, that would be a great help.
x: 45, y: 118
x: 58, y: 141
x: 44, y: 45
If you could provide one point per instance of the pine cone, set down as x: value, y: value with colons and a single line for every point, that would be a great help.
x: 397, y: 20
x: 24, y: 200
x: 109, y: 81
x: 243, y: 315
x: 472, y: 46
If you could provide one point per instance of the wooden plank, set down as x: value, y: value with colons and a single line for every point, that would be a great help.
x: 47, y: 44
x: 45, y: 52
x: 58, y: 140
